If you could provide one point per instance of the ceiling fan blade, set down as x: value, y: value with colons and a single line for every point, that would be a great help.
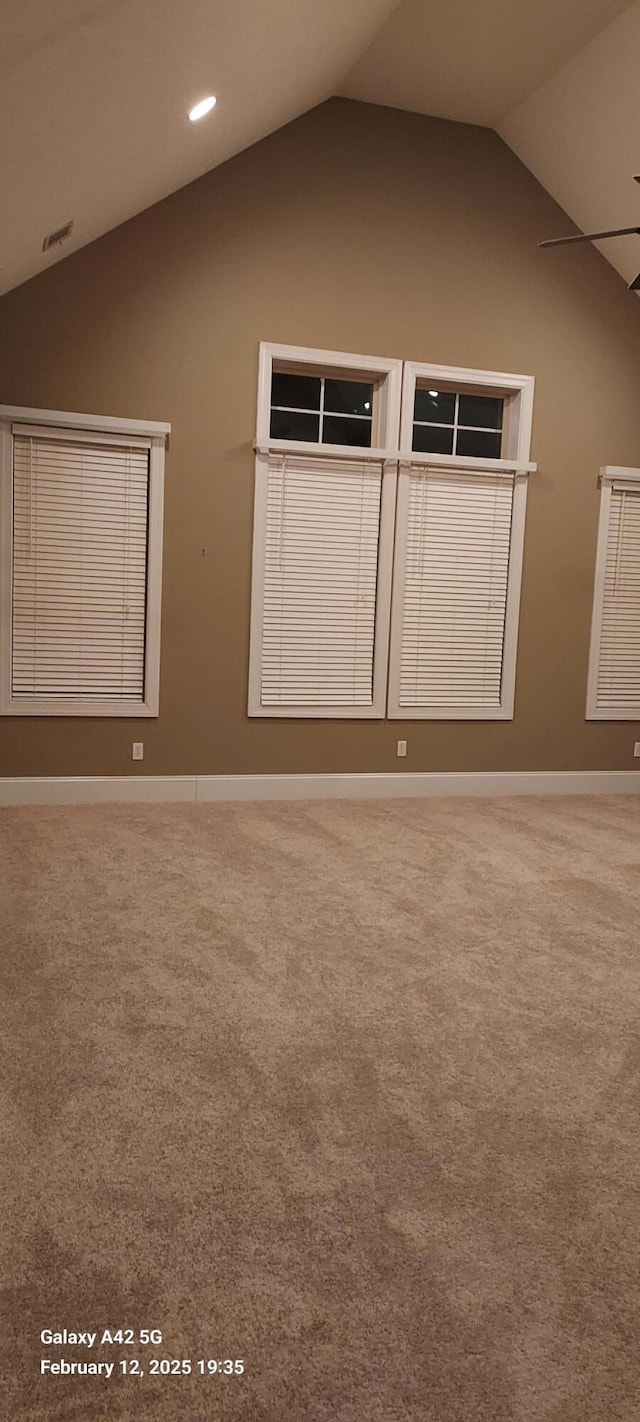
x: 635, y: 284
x: 589, y: 236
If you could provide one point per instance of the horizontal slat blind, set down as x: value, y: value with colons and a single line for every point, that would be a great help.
x: 80, y: 515
x: 618, y: 677
x: 321, y: 558
x: 454, y: 592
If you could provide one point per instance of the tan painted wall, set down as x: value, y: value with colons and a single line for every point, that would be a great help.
x: 355, y: 228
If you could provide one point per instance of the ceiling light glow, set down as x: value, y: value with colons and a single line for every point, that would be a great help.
x: 433, y: 392
x: 204, y: 107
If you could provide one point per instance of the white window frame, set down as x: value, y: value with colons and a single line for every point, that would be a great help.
x: 154, y: 435
x: 517, y: 392
x: 618, y: 476
x: 308, y: 361
x: 388, y: 374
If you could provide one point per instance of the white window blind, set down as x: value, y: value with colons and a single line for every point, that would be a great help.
x: 80, y: 530
x: 318, y: 584
x: 615, y: 669
x: 453, y: 542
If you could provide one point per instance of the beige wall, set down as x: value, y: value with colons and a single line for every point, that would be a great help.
x: 361, y: 229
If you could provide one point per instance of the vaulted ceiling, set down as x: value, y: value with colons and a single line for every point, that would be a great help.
x: 94, y: 96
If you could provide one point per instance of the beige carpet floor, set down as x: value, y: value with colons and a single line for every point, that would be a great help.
x: 347, y: 1091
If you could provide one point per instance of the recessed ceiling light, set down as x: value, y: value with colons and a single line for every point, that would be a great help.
x: 433, y: 392
x: 204, y: 107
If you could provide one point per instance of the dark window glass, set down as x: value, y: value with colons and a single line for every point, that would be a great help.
x: 348, y: 397
x: 293, y: 424
x: 300, y: 391
x: 339, y: 429
x: 429, y: 439
x: 438, y: 408
x: 481, y: 410
x: 485, y: 444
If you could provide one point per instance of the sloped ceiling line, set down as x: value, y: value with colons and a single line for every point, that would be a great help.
x: 94, y: 96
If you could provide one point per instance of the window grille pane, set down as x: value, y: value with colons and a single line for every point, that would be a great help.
x: 483, y: 410
x: 294, y: 424
x: 436, y: 407
x: 348, y: 397
x: 339, y: 429
x: 302, y: 392
x: 479, y: 444
x: 432, y: 439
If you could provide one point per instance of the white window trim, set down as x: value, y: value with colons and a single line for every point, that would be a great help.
x: 328, y: 451
x: 518, y: 436
x: 152, y: 434
x: 520, y: 414
x: 337, y: 362
x: 611, y: 476
x: 368, y: 366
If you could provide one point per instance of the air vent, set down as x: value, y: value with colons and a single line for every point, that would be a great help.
x: 56, y: 238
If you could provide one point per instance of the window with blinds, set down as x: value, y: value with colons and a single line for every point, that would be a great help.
x: 364, y: 604
x: 79, y: 569
x: 614, y: 670
x: 83, y: 573
x: 315, y: 632
x: 453, y: 540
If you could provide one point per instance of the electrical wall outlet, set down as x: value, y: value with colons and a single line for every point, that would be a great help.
x: 138, y: 750
x: 402, y: 748
x: 636, y: 748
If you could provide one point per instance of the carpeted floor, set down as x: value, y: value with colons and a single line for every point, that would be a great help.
x: 346, y: 1091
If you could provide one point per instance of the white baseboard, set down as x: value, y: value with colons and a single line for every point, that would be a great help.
x: 140, y: 789
x: 96, y: 789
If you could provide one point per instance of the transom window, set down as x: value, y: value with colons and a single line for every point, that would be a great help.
x: 453, y: 422
x: 321, y: 409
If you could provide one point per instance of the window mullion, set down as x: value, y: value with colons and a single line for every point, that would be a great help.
x: 456, y: 414
x: 321, y: 424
